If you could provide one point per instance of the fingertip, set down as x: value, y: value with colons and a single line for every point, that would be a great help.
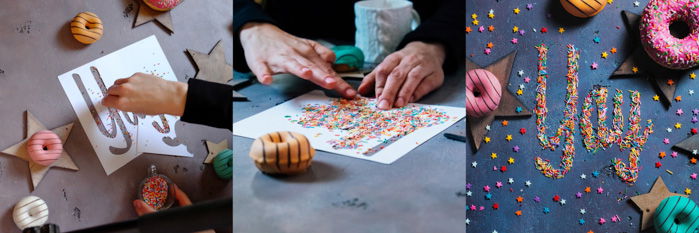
x: 400, y: 102
x: 350, y: 93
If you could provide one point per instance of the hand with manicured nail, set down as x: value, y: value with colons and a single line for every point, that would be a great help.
x: 406, y: 75
x: 269, y: 51
x: 147, y: 94
x: 142, y: 208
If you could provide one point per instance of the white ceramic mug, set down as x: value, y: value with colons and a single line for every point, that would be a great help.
x: 381, y: 25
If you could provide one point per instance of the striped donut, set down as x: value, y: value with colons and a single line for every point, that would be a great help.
x: 583, y: 8
x: 31, y: 211
x: 44, y: 147
x: 676, y: 214
x: 483, y: 92
x: 162, y: 5
x: 86, y: 27
x: 282, y: 152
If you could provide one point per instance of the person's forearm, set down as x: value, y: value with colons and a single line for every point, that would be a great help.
x: 244, y: 12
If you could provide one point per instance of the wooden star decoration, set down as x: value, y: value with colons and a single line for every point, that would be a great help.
x: 649, y: 202
x: 508, y: 102
x: 213, y: 67
x: 689, y: 145
x: 659, y: 76
x: 146, y: 14
x: 38, y: 171
x: 214, y: 149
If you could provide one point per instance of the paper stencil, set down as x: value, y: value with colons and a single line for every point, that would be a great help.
x: 353, y: 128
x: 116, y: 136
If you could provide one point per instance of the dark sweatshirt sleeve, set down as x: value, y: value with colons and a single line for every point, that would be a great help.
x: 244, y: 11
x: 444, y: 27
x: 209, y: 103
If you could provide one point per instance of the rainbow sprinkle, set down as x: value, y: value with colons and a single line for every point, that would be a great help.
x: 155, y: 191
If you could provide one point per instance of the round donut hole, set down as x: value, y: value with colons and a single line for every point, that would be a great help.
x: 476, y: 93
x: 45, y: 148
x: 679, y: 29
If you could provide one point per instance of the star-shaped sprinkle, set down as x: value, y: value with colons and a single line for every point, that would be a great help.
x: 666, y: 140
x: 491, y: 28
x: 520, y: 92
x: 530, y: 6
x: 678, y: 98
x: 670, y: 82
x: 661, y: 154
x: 520, y: 73
x: 669, y: 130
x: 556, y: 198
x: 692, y: 75
x: 602, y: 221
x: 679, y: 112
x: 496, y: 206
x: 581, y: 221
x: 656, y: 97
x: 474, y: 164
x: 486, y: 139
x: 516, y: 10
x: 503, y: 168
x: 521, y: 32
x: 493, y: 155
x: 518, y: 213
x: 616, y: 218
x: 678, y: 125
x: 491, y: 14
x: 473, y: 207
x: 475, y: 22
x: 658, y: 164
x: 674, y: 154
x: 508, y: 137
x: 498, y: 184
x: 583, y: 176
x: 486, y: 188
x: 481, y: 29
x: 469, y: 193
x: 522, y: 131
x: 604, y: 55
x: 515, y: 29
x: 561, y: 30
x: 693, y: 176
x: 487, y: 127
x: 578, y: 195
x: 562, y: 202
x: 610, y: 1
x: 687, y: 191
x: 694, y: 119
x: 515, y: 148
x: 594, y: 65
x: 595, y: 173
x: 582, y: 211
x: 520, y: 199
x: 537, y: 199
x: 634, y: 69
x: 613, y: 50
x: 468, y: 221
x: 474, y: 16
x: 691, y: 92
x: 636, y: 3
x: 511, y: 160
x: 693, y: 160
x: 527, y: 183
x: 468, y: 30
x: 544, y: 30
x: 505, y: 123
x: 596, y: 40
x: 518, y: 109
x: 487, y: 51
x: 488, y: 196
x: 693, y: 131
x: 510, y: 180
x: 600, y: 190
x: 521, y: 86
x: 514, y: 41
x: 527, y: 79
x: 547, y: 210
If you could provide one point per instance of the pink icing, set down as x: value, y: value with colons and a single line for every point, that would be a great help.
x: 661, y: 46
x: 44, y: 147
x: 163, y: 4
x: 483, y: 92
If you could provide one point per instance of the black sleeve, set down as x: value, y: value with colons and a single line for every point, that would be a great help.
x: 209, y: 103
x: 445, y: 27
x: 244, y: 11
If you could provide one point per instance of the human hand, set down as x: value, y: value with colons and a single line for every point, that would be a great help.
x: 147, y: 94
x: 269, y: 51
x: 142, y: 208
x: 406, y: 75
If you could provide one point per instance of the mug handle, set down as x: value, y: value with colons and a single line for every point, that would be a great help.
x: 416, y: 19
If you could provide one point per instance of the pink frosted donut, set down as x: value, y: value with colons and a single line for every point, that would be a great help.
x: 44, y: 147
x: 483, y: 92
x: 162, y: 5
x: 664, y: 48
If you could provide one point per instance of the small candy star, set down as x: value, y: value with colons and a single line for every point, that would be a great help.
x: 498, y: 184
x: 679, y: 112
x: 508, y: 137
x: 494, y: 231
x: 487, y: 127
x: 613, y: 50
x: 491, y: 28
x: 486, y: 51
x: 468, y: 30
x: 666, y: 140
x: 493, y: 155
x: 634, y: 69
x: 474, y: 16
x: 473, y: 207
x: 669, y: 130
x: 515, y: 29
x: 693, y: 160
x: 595, y: 173
x: 670, y: 82
x: 488, y: 196
x: 522, y: 131
x: 556, y: 198
x: 515, y: 148
x: 583, y: 176
x: 674, y: 154
x: 695, y: 111
x: 544, y: 30
x: 474, y: 164
x: 694, y: 119
x: 518, y: 213
x: 678, y: 98
x: 496, y: 206
x: 594, y: 65
x: 518, y: 109
x: 687, y: 191
x: 636, y: 3
x: 520, y: 92
x: 691, y: 92
x: 658, y: 164
x: 661, y: 154
x: 692, y: 75
x: 530, y: 6
x: 475, y: 22
x: 510, y: 180
x: 604, y: 55
x: 505, y: 123
x: 527, y: 183
x: 521, y: 86
x: 693, y: 176
x: 486, y: 139
x: 562, y: 202
x: 561, y: 30
x: 520, y: 199
x: 587, y: 189
x: 600, y: 190
x: 678, y: 125
x: 481, y: 29
x: 546, y: 210
x: 602, y: 221
x: 516, y: 10
x: 581, y: 221
x: 527, y: 79
x: 469, y: 193
x: 491, y: 14
x: 656, y: 97
x: 537, y: 199
x: 468, y: 221
x: 610, y: 1
x: 520, y: 73
x: 582, y: 211
x: 503, y: 168
x: 514, y: 40
x: 693, y: 131
x: 486, y: 188
x: 596, y: 40
x: 616, y: 218
x: 578, y: 195
x: 521, y: 32
x: 511, y: 160
x: 468, y: 185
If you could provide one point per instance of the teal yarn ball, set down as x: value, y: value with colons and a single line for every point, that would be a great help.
x: 223, y: 164
x: 676, y: 214
x: 349, y: 55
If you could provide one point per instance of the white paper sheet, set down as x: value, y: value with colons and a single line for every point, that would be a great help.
x: 279, y: 118
x: 112, y: 144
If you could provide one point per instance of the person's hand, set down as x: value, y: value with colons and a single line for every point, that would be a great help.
x: 147, y: 94
x: 269, y: 51
x: 406, y: 75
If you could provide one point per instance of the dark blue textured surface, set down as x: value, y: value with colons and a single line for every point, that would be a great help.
x: 608, y: 26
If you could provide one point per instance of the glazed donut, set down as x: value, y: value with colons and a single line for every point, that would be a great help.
x: 583, y: 8
x: 282, y: 152
x: 44, y: 147
x: 664, y: 48
x: 676, y: 214
x: 86, y: 27
x: 162, y: 5
x: 31, y: 211
x: 483, y: 92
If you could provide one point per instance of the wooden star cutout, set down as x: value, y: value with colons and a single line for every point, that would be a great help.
x: 146, y: 14
x: 688, y: 145
x: 662, y: 78
x: 502, y: 69
x: 649, y: 202
x: 213, y: 67
x: 214, y: 149
x: 38, y: 171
